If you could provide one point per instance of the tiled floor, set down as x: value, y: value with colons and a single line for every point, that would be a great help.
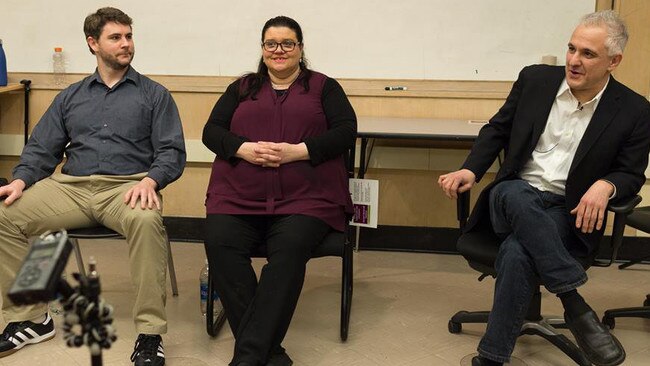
x: 402, y: 303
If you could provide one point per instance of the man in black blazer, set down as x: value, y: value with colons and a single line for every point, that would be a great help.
x: 574, y: 139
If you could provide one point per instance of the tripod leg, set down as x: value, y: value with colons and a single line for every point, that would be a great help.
x: 96, y: 360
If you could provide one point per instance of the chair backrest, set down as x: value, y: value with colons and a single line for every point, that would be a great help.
x: 640, y: 219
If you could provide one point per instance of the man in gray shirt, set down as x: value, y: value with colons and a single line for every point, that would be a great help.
x: 123, y: 140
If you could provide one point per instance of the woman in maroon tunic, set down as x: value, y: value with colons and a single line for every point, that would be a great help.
x: 278, y: 179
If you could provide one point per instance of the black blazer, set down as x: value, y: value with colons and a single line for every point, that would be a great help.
x: 615, y: 145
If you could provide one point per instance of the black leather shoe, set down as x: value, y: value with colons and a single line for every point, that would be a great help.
x: 478, y: 361
x: 594, y: 339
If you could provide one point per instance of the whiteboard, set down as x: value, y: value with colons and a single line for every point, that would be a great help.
x: 379, y: 39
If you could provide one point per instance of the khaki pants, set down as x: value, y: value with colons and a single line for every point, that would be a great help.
x: 69, y: 202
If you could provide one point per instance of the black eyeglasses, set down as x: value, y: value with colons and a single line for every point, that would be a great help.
x: 286, y: 45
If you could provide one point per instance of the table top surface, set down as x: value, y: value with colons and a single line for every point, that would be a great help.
x: 11, y: 87
x: 418, y: 128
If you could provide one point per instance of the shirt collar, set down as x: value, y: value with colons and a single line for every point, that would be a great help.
x: 565, y: 92
x: 131, y: 75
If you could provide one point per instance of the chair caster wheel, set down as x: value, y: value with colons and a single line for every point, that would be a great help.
x: 454, y: 327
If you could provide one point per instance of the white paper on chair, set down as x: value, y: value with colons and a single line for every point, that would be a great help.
x: 365, y: 199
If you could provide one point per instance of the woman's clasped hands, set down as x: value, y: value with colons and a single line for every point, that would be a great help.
x: 271, y: 154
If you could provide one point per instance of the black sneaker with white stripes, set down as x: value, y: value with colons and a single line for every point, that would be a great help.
x: 19, y: 334
x: 148, y: 351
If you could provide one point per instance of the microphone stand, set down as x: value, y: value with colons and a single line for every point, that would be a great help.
x: 87, y: 318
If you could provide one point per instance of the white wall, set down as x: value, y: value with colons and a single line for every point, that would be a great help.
x: 418, y: 39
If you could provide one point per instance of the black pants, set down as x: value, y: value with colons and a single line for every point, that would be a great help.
x: 259, y: 313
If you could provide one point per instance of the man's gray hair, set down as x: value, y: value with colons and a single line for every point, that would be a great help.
x: 616, y: 29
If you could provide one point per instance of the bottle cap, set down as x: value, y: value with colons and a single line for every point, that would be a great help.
x: 58, y: 49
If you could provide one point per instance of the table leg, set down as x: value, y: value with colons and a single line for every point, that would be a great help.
x: 362, y: 172
x: 363, y: 160
x: 27, y: 85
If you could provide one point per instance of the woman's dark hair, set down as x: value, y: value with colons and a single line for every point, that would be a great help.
x: 255, y: 80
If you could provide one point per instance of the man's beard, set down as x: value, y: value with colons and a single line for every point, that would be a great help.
x: 113, y: 62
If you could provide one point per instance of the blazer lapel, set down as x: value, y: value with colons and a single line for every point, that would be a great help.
x: 607, y: 109
x: 542, y: 106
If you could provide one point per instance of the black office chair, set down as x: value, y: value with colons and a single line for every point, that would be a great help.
x: 335, y: 244
x: 481, y: 248
x: 640, y: 220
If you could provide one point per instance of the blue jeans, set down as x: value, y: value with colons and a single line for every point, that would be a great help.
x: 538, y: 244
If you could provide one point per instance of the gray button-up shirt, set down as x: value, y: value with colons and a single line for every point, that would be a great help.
x: 131, y: 128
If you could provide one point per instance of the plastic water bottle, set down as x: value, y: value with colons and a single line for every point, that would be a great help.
x: 217, y: 308
x: 58, y: 66
x: 203, y: 287
x: 3, y: 66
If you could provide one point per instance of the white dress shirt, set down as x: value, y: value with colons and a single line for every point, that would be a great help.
x: 548, y: 167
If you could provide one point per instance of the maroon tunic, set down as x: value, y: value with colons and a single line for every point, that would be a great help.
x: 298, y: 187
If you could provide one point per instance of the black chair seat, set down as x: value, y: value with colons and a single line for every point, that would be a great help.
x: 480, y: 249
x: 96, y: 232
x: 332, y: 245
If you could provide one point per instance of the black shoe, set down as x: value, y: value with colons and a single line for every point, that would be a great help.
x: 479, y: 361
x: 19, y: 334
x: 148, y: 351
x: 280, y: 359
x: 594, y: 339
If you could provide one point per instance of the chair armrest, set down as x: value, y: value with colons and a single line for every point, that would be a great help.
x: 462, y: 209
x: 626, y: 206
x: 620, y: 211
